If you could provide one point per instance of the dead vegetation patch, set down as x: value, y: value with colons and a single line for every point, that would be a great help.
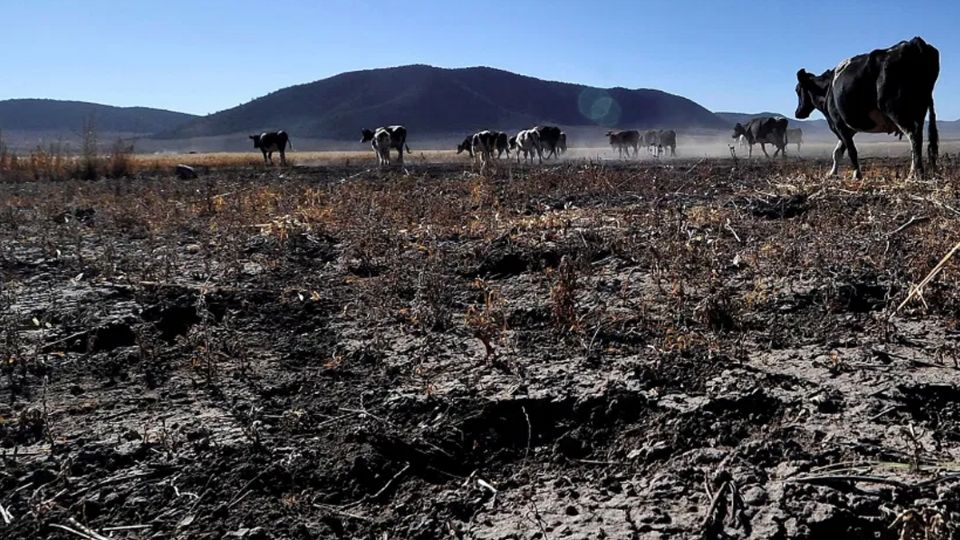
x: 429, y: 354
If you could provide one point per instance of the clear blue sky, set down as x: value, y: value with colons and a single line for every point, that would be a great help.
x: 201, y: 56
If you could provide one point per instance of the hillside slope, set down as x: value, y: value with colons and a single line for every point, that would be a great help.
x: 431, y: 100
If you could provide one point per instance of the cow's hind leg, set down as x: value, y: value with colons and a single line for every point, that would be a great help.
x: 763, y: 146
x: 916, y: 151
x: 847, y: 138
x: 914, y: 133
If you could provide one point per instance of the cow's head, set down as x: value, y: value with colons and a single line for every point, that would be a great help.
x: 812, y: 92
x: 512, y: 142
x: 256, y: 140
x: 367, y: 135
x: 739, y: 130
x: 465, y: 146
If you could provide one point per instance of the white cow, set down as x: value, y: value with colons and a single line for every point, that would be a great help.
x: 381, y: 143
x: 484, y: 144
x: 384, y: 138
x: 528, y: 142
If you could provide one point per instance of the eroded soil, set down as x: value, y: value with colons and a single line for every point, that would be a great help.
x: 687, y: 349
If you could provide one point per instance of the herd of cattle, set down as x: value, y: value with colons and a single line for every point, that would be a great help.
x: 536, y: 141
x: 884, y: 91
x: 655, y: 141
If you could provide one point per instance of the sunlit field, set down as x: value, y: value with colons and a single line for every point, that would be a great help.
x: 432, y: 349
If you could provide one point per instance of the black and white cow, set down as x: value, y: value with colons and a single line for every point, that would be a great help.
x: 623, y: 141
x: 272, y: 141
x: 528, y: 143
x: 381, y: 143
x: 764, y: 130
x: 549, y: 139
x: 484, y: 144
x: 395, y: 137
x: 491, y: 141
x: 795, y: 136
x: 884, y: 91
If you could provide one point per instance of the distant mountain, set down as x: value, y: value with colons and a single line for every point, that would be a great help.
x: 53, y: 116
x: 431, y: 101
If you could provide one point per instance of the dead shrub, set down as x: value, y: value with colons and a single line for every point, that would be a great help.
x: 89, y: 165
x: 50, y: 163
x: 120, y: 161
x: 563, y: 296
x: 433, y: 299
x: 718, y: 311
x: 488, y: 322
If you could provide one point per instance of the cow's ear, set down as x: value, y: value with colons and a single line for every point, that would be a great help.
x: 803, y: 77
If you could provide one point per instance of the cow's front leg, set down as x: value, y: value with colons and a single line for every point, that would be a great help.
x: 763, y: 146
x: 837, y: 156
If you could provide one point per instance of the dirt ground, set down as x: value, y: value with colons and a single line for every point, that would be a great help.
x: 588, y: 349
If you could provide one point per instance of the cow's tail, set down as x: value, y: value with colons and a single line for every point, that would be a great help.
x: 289, y: 143
x: 933, y: 136
x: 405, y: 145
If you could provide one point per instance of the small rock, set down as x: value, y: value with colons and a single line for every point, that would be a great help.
x: 754, y: 496
x: 821, y: 513
x: 193, y: 248
x: 252, y: 268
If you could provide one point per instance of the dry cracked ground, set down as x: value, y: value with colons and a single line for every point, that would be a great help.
x: 686, y: 349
